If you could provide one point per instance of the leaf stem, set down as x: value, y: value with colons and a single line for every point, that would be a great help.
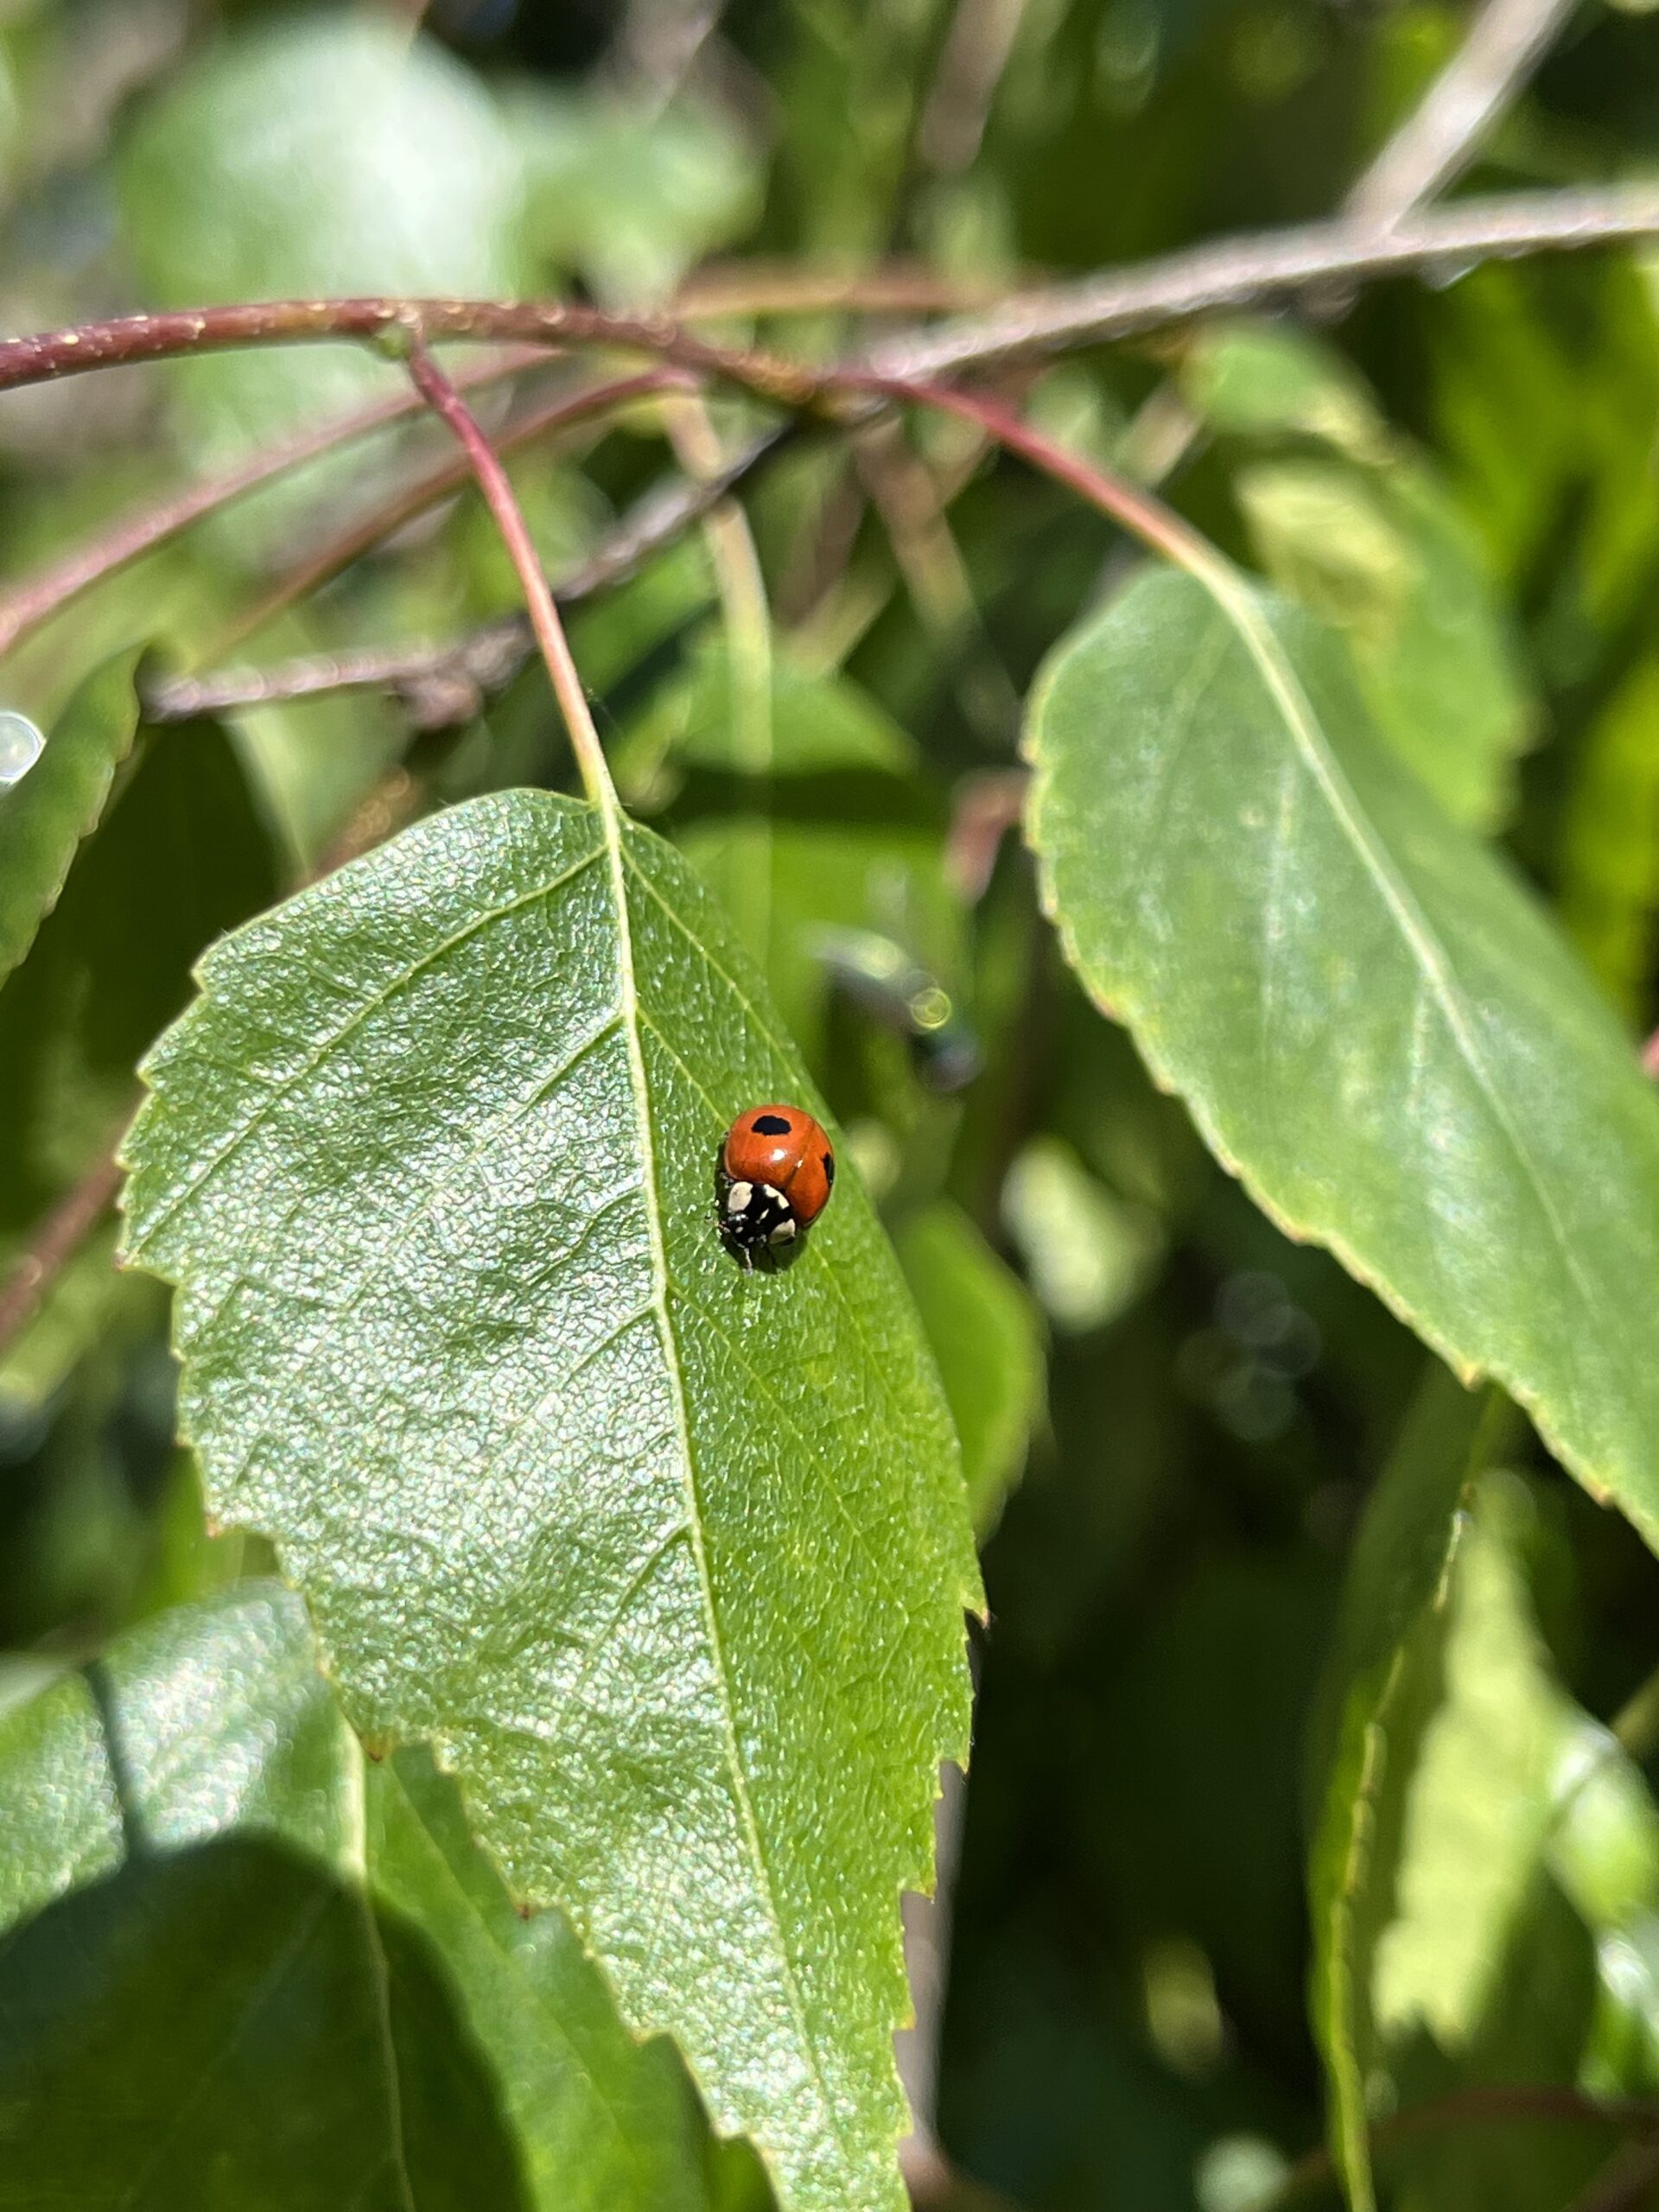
x: 446, y: 404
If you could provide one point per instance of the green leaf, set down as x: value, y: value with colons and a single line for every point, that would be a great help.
x: 1251, y: 379
x: 986, y: 1336
x: 1466, y: 1791
x: 630, y: 194
x: 184, y: 850
x: 667, y: 1562
x: 44, y: 818
x: 1609, y: 873
x: 217, y: 1914
x: 314, y: 156
x: 1370, y: 1020
x: 1385, y: 558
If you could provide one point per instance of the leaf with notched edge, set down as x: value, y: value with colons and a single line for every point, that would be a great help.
x: 668, y: 1562
x: 1370, y: 1019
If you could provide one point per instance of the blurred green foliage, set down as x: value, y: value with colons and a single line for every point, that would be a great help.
x: 1175, y: 1420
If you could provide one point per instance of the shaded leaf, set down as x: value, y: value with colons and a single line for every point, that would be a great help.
x: 185, y: 850
x: 1252, y: 379
x: 1466, y: 1795
x: 44, y: 818
x: 667, y: 1561
x: 1609, y: 871
x: 1370, y: 1020
x: 988, y: 1338
x: 264, y: 1966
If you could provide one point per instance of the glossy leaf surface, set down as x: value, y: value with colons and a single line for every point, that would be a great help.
x: 667, y: 1559
x: 1372, y: 1021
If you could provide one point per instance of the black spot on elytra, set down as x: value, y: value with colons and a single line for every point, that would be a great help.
x: 830, y: 1169
x: 771, y: 1125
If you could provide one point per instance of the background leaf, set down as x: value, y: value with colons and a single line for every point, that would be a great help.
x: 1284, y: 920
x: 668, y: 1561
x: 988, y: 1338
x: 256, y: 1958
x: 44, y: 818
x: 186, y: 845
x: 321, y: 154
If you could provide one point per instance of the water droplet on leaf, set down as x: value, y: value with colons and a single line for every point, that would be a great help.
x: 21, y: 746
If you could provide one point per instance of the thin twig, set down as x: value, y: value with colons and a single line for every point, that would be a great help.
x: 386, y: 321
x: 444, y: 684
x: 1439, y: 138
x: 446, y: 404
x: 1481, y: 2105
x: 1625, y: 2183
x: 34, y: 598
x: 426, y: 491
x: 56, y: 1240
x: 1434, y: 143
x: 1229, y: 273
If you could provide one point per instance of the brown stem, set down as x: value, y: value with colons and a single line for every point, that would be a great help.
x: 441, y: 395
x: 1275, y: 264
x: 56, y: 1240
x: 443, y: 684
x: 389, y: 322
x: 1486, y: 2106
x: 1157, y: 526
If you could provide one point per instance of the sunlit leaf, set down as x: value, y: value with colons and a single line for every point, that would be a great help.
x: 667, y: 1561
x: 1383, y: 556
x: 1369, y: 1019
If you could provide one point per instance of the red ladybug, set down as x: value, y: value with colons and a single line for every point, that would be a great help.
x: 772, y: 1179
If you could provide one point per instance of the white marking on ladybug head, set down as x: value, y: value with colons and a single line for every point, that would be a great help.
x: 737, y: 1199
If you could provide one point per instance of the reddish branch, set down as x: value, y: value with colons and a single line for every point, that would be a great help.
x: 57, y: 1241
x: 446, y: 404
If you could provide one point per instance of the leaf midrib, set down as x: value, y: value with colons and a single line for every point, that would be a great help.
x: 612, y: 831
x: 1238, y: 604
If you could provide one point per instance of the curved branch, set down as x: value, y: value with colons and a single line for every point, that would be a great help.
x: 1119, y: 303
x: 1244, y: 272
x: 393, y: 324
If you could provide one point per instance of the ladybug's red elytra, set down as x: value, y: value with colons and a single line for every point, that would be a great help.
x: 772, y: 1179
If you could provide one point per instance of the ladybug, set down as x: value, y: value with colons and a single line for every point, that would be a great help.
x: 772, y: 1179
